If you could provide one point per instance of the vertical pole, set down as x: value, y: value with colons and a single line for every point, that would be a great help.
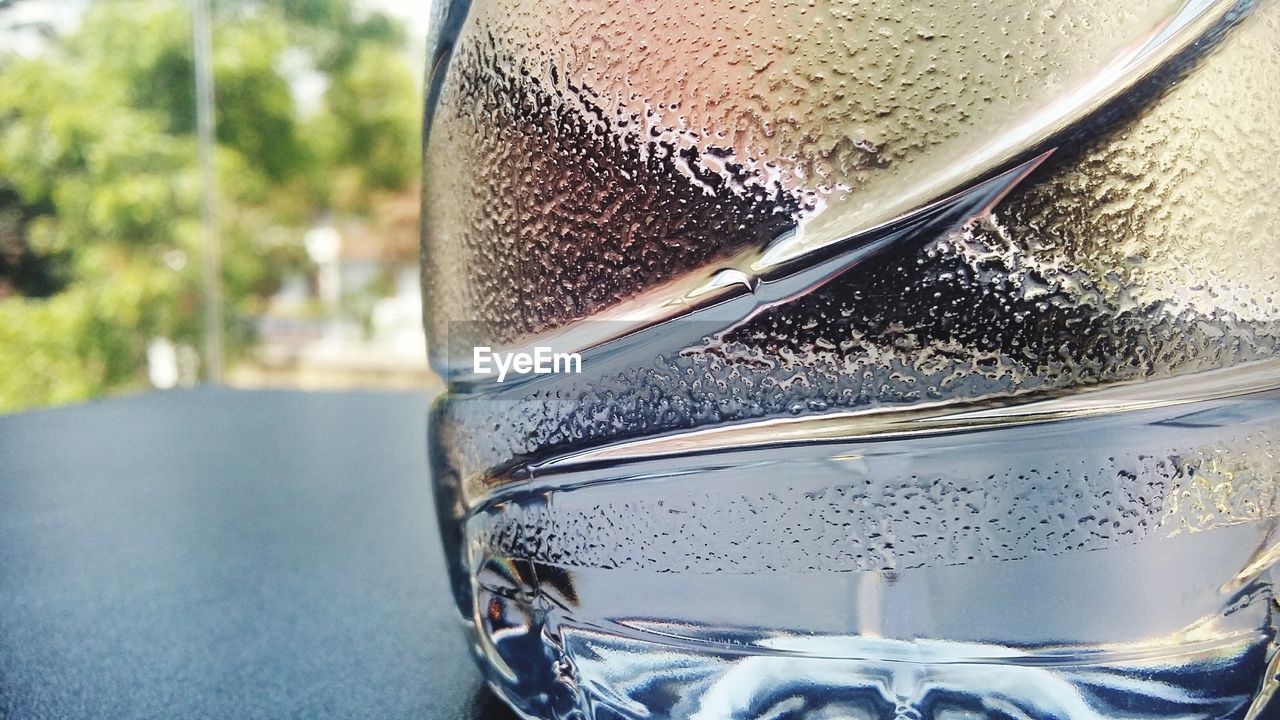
x: 202, y: 40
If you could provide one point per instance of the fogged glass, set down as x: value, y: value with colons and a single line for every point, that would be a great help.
x: 928, y: 355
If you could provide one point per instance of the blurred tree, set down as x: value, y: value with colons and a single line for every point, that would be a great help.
x: 368, y: 127
x: 99, y: 225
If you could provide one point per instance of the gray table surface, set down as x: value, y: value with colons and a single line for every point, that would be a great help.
x: 216, y: 553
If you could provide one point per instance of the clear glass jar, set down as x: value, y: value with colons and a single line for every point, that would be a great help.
x: 859, y: 359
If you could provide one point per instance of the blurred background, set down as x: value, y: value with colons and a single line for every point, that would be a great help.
x: 308, y: 199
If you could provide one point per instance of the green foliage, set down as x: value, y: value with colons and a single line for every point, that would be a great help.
x: 370, y: 126
x: 40, y: 355
x: 99, y: 189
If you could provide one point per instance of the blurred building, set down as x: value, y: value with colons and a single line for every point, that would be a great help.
x: 356, y: 319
